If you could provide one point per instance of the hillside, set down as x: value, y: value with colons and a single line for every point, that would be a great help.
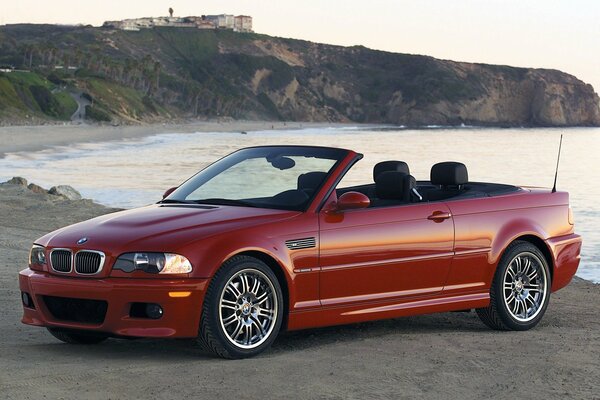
x: 166, y: 73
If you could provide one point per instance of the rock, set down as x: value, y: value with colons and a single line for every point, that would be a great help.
x: 37, y: 189
x: 17, y: 180
x: 65, y: 191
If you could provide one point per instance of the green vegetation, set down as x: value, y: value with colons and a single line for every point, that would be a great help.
x: 94, y: 113
x: 67, y: 104
x: 29, y: 93
x: 156, y: 74
x: 46, y: 102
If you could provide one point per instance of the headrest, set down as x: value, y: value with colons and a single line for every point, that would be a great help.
x: 449, y: 173
x: 311, y: 180
x: 389, y: 185
x: 383, y: 166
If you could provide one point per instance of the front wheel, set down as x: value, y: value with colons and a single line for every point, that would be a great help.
x: 77, y: 337
x: 520, y: 291
x: 243, y: 309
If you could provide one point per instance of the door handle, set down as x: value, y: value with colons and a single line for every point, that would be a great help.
x: 438, y: 216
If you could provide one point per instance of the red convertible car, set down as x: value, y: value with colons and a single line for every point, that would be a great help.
x: 265, y: 239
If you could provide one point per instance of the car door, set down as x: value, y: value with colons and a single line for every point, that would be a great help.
x: 387, y: 253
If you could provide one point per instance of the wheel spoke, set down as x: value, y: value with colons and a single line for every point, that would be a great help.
x: 244, y: 283
x: 259, y: 327
x: 230, y: 320
x: 248, y: 334
x: 518, y: 264
x: 262, y: 298
x: 238, y: 329
x: 529, y: 302
x: 526, y: 266
x: 511, y: 271
x: 265, y: 313
x: 515, y: 307
x: 255, y: 286
x: 231, y: 287
x: 510, y: 297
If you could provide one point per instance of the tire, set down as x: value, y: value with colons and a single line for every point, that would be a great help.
x: 77, y: 337
x: 243, y: 309
x: 520, y: 291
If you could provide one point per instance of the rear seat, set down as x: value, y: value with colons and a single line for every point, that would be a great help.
x: 450, y: 177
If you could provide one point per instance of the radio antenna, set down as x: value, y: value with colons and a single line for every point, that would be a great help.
x: 557, y: 161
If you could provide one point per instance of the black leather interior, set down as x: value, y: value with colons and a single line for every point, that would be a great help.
x: 393, y: 187
x: 293, y: 197
x: 451, y: 176
x: 310, y: 181
x: 399, y: 166
x: 449, y: 173
x: 449, y: 181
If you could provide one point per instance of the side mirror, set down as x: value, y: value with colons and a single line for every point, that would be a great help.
x: 352, y: 201
x: 169, y: 191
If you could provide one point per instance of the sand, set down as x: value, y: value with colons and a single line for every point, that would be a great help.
x: 450, y: 355
x: 33, y: 138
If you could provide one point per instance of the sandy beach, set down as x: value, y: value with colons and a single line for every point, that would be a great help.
x: 451, y: 355
x: 39, y: 137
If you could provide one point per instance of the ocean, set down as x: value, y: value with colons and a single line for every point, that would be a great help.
x: 135, y: 172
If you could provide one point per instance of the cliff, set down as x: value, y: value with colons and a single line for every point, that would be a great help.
x: 163, y: 73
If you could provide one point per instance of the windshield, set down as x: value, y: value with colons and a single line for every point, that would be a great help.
x: 280, y: 177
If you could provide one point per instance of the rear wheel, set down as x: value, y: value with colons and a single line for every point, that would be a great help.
x: 520, y: 291
x: 77, y: 337
x: 243, y: 309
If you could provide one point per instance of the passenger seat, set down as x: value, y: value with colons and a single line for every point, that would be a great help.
x: 384, y: 166
x: 393, y: 188
x: 391, y: 165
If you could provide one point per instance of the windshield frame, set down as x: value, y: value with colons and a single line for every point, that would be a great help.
x: 232, y: 159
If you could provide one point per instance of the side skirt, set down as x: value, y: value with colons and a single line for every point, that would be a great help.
x: 373, y: 311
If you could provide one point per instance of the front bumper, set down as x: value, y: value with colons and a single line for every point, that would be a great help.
x: 181, y: 316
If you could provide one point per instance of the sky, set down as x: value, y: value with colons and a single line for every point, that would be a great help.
x: 558, y: 34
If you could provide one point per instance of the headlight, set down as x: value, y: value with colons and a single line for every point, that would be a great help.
x: 153, y: 263
x: 37, y: 255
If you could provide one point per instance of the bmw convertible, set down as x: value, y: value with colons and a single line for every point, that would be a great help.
x: 268, y: 239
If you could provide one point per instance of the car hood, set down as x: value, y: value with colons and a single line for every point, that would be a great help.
x: 159, y: 227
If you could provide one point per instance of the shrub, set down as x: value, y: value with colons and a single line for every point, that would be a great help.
x: 46, y: 101
x: 96, y: 114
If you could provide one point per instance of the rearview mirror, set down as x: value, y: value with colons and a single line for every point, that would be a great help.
x: 283, y: 163
x: 169, y: 191
x: 352, y: 201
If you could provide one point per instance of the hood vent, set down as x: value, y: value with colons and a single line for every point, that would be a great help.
x: 305, y: 243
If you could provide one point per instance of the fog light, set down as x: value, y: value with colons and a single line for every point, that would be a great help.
x: 27, y: 300
x: 154, y: 311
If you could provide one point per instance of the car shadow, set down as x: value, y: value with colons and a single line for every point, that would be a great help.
x: 288, y: 342
x: 422, y: 325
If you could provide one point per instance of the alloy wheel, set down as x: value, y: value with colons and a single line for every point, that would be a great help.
x: 248, y: 308
x: 525, y: 286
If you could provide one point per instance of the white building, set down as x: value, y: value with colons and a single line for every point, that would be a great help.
x: 224, y: 21
x: 242, y: 23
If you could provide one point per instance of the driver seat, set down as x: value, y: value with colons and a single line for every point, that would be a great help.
x: 310, y: 181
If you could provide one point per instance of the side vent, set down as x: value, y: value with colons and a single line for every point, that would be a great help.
x: 305, y: 243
